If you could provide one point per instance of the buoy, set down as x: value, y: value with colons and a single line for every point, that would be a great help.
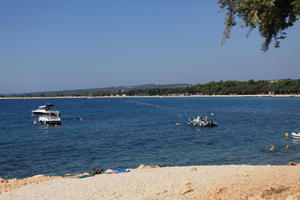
x: 177, y: 124
x: 286, y: 134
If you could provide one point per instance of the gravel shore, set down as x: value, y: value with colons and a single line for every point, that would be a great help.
x: 169, y: 183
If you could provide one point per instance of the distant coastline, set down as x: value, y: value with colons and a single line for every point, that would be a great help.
x: 165, y: 96
x: 251, y: 88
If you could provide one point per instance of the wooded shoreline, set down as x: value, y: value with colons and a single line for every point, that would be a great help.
x: 169, y: 96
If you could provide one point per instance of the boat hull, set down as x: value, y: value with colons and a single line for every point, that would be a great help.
x: 50, y: 121
x: 198, y: 123
x: 295, y: 135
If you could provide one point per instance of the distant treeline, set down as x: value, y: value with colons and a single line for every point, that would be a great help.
x: 251, y: 87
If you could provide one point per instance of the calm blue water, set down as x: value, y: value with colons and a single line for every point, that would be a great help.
x: 124, y: 133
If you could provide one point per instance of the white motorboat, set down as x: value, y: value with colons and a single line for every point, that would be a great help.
x: 295, y: 135
x: 45, y: 110
x: 47, y: 115
x: 202, y: 122
x: 50, y: 118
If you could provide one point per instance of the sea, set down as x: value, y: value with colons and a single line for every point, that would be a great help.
x: 114, y: 133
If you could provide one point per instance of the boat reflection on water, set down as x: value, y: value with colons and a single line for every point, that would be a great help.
x: 296, y: 135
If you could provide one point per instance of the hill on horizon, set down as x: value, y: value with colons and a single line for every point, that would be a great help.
x: 107, y: 89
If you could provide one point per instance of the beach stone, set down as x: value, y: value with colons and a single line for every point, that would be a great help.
x: 291, y: 197
x: 161, y: 192
x: 182, y: 198
x: 294, y: 164
x: 188, y: 184
x: 109, y: 171
x: 3, y: 180
x: 147, y: 167
x: 221, y: 191
x: 256, y: 198
x: 193, y: 169
x: 186, y: 190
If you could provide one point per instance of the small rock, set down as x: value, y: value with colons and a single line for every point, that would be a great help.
x: 294, y: 164
x: 291, y: 197
x: 147, y: 167
x: 110, y: 171
x: 3, y: 180
x: 182, y: 198
x: 186, y: 190
x: 193, y: 169
x: 161, y: 192
x: 188, y: 184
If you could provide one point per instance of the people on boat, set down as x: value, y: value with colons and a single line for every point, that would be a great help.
x: 202, y: 122
x: 206, y: 119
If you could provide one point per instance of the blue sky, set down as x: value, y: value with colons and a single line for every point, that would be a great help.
x: 69, y: 44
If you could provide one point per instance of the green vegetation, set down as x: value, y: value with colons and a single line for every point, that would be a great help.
x: 286, y: 86
x: 251, y: 87
x: 271, y: 17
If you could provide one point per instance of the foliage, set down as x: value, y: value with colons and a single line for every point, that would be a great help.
x: 271, y: 17
x: 284, y: 86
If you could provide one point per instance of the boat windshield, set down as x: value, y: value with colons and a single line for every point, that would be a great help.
x: 46, y: 107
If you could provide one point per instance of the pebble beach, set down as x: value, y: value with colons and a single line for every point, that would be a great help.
x: 169, y: 183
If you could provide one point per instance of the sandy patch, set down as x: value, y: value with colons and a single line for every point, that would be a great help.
x: 11, y: 184
x: 231, y: 182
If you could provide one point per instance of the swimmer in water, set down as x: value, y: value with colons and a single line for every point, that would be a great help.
x: 272, y: 148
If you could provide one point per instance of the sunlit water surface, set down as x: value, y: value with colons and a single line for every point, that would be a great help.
x: 126, y: 132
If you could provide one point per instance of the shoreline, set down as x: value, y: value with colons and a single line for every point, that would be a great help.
x: 171, y: 96
x: 186, y: 182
